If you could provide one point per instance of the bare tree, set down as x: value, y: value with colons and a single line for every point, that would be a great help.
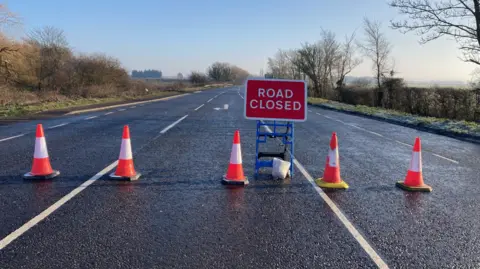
x: 7, y: 18
x: 197, y: 78
x: 377, y: 48
x: 54, y: 53
x: 309, y: 57
x: 281, y: 65
x: 180, y: 76
x: 459, y: 19
x: 220, y: 71
x: 348, y: 60
x: 239, y: 75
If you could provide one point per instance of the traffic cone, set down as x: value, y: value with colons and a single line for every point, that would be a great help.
x: 414, y: 179
x: 235, y: 174
x: 125, y: 169
x: 331, y: 175
x: 41, y: 168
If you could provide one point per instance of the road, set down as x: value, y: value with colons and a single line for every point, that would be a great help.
x: 179, y: 215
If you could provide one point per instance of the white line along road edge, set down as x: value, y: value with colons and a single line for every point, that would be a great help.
x: 11, y: 137
x: 25, y: 227
x: 353, y: 231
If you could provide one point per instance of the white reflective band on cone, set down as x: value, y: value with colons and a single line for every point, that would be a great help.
x: 125, y: 150
x: 332, y: 157
x: 236, y: 157
x: 416, y: 163
x: 40, y: 148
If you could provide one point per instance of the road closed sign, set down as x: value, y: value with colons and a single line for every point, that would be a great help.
x: 276, y: 99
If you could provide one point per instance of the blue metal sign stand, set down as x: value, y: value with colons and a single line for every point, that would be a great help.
x: 273, y: 131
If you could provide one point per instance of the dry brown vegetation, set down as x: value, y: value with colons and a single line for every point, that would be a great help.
x: 42, y: 67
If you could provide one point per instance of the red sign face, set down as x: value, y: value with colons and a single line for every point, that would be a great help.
x: 276, y: 99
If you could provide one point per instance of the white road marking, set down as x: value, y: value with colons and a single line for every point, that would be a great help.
x: 199, y: 107
x: 40, y: 217
x: 377, y: 134
x: 121, y: 109
x: 440, y: 156
x: 209, y: 100
x: 92, y: 117
x: 141, y: 105
x: 328, y: 117
x: 11, y: 137
x: 353, y: 231
x: 309, y: 110
x: 133, y: 106
x: 108, y: 113
x: 318, y: 114
x: 60, y: 125
x: 173, y: 124
x: 405, y: 144
x: 197, y: 92
x: 354, y: 126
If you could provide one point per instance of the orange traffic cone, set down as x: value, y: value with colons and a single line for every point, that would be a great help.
x: 41, y: 168
x: 125, y: 169
x: 235, y: 174
x: 414, y: 179
x: 331, y: 175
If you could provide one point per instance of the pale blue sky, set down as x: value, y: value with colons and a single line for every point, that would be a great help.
x: 180, y: 36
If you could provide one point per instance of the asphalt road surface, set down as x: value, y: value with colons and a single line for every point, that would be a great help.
x: 179, y: 215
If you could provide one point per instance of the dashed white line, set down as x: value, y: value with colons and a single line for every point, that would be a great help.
x: 108, y: 113
x: 59, y: 125
x: 340, y: 121
x: 199, y: 107
x: 445, y: 158
x: 27, y: 226
x: 354, y: 126
x: 309, y: 110
x: 173, y: 124
x: 121, y: 109
x: 405, y: 144
x: 328, y: 117
x: 92, y: 117
x: 353, y: 231
x: 318, y: 114
x: 209, y: 100
x: 11, y: 137
x: 377, y: 134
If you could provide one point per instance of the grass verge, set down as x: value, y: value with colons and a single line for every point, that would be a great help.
x: 72, y: 104
x: 437, y: 125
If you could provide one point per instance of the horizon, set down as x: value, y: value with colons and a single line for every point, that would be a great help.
x: 189, y: 36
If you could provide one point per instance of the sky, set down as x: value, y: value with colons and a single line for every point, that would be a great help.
x: 186, y: 35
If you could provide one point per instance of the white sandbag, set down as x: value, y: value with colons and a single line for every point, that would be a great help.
x: 280, y: 168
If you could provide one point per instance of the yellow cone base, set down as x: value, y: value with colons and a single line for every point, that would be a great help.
x: 30, y: 176
x: 424, y: 188
x: 235, y: 182
x: 339, y: 185
x: 120, y: 178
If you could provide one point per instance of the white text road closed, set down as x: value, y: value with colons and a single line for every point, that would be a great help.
x: 275, y: 99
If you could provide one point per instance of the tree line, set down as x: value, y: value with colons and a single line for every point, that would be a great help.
x: 148, y: 73
x: 220, y: 72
